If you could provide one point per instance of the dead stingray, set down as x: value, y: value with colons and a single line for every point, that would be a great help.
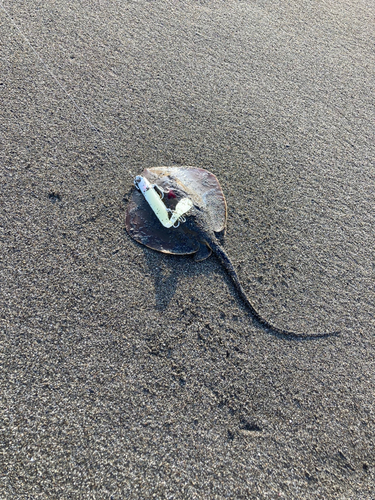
x: 198, y: 234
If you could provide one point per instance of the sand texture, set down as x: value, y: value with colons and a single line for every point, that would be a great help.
x: 126, y: 373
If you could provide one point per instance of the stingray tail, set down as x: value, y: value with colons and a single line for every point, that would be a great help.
x: 224, y: 259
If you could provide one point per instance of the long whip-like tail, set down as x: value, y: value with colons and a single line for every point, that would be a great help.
x: 225, y: 261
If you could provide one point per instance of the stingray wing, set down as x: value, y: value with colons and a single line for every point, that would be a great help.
x: 143, y: 225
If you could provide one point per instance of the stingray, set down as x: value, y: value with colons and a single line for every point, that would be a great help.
x: 198, y: 232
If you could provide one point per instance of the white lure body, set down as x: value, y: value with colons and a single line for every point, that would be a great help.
x: 160, y: 210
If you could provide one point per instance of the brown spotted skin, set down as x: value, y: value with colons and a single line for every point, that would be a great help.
x: 199, y: 185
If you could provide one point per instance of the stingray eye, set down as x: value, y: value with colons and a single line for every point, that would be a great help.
x: 171, y: 194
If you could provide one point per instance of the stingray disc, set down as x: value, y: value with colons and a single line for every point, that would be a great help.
x: 177, y: 182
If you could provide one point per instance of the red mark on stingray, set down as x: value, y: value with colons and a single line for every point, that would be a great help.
x: 171, y: 194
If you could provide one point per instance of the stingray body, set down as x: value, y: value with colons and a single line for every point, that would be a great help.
x: 199, y: 232
x: 201, y: 186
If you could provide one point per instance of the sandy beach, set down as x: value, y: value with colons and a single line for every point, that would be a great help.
x: 127, y: 373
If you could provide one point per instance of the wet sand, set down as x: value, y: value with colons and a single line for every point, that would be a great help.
x: 126, y: 373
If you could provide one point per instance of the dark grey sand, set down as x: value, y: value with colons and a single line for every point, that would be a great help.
x: 126, y: 373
